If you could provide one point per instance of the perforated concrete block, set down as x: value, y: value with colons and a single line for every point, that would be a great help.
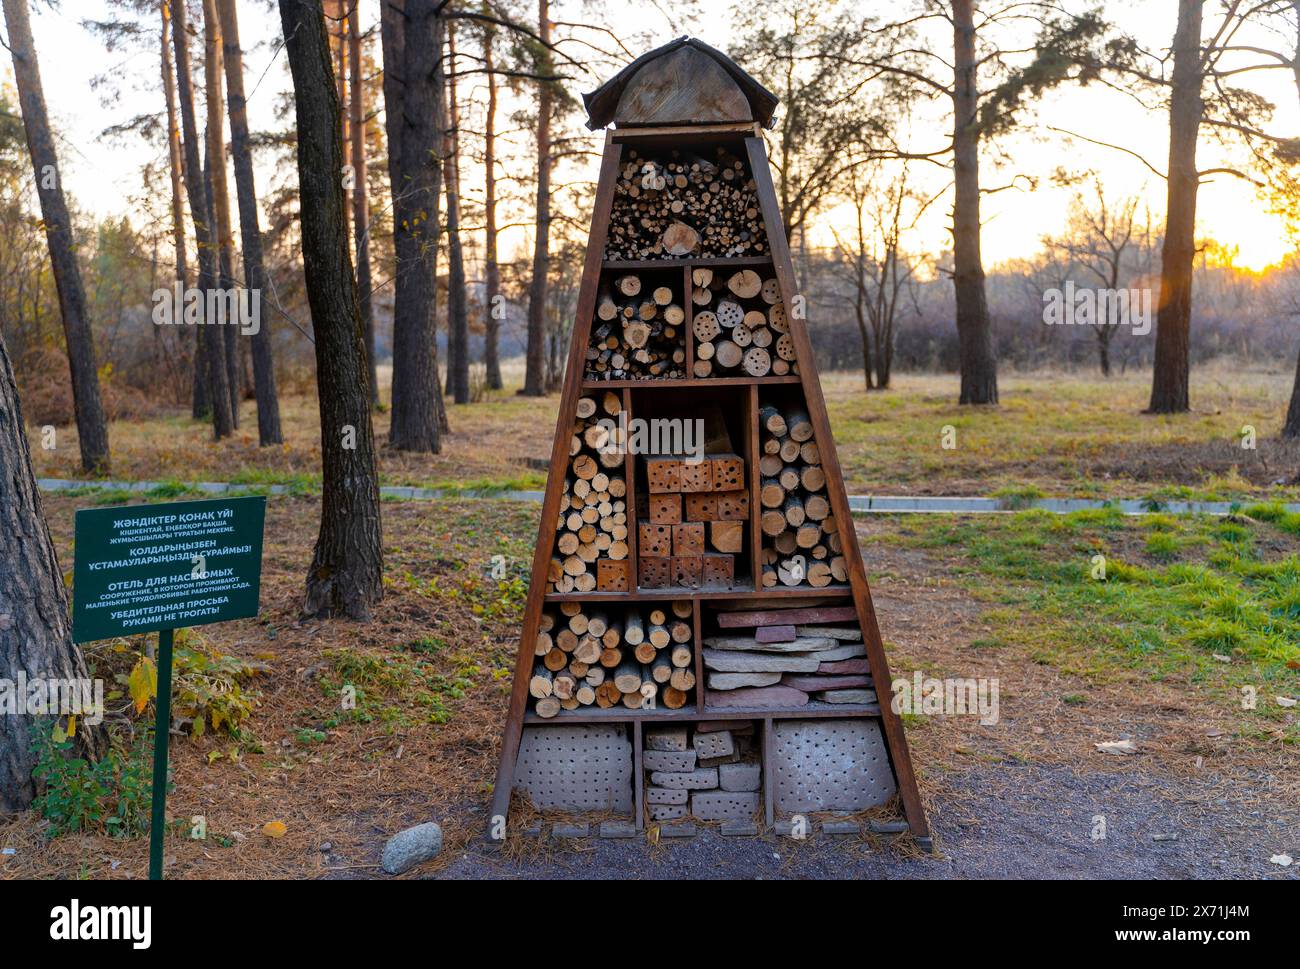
x: 667, y: 812
x: 584, y: 767
x: 724, y: 805
x: 665, y: 795
x: 669, y: 760
x: 740, y: 777
x: 699, y: 779
x: 829, y: 765
x: 665, y: 738
x: 717, y: 744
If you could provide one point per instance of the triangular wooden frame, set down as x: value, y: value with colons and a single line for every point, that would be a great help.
x: 859, y: 589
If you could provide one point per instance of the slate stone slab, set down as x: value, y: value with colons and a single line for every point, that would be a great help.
x: 846, y: 633
x: 845, y: 667
x: 811, y: 684
x: 669, y: 760
x: 740, y: 777
x: 699, y: 779
x: 803, y: 644
x: 570, y: 831
x: 618, y: 829
x: 847, y: 696
x: 734, y: 681
x: 738, y: 829
x: 686, y: 830
x: 842, y: 651
x: 724, y: 805
x: 765, y: 696
x: 735, y: 662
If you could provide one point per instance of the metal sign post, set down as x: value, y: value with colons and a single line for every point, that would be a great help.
x: 157, y: 568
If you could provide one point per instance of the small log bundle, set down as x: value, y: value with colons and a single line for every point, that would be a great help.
x: 801, y: 541
x: 591, y: 533
x: 740, y: 325
x: 678, y: 204
x: 588, y: 654
x: 694, y: 522
x: 638, y: 332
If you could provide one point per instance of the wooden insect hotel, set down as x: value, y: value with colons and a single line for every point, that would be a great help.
x: 699, y: 642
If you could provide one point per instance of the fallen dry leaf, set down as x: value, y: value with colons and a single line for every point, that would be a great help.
x: 1117, y: 747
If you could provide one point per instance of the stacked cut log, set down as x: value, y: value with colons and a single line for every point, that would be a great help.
x: 638, y: 332
x: 631, y: 657
x: 696, y: 516
x: 740, y: 325
x: 801, y: 540
x: 679, y: 204
x: 591, y: 533
x: 710, y: 772
x: 787, y: 657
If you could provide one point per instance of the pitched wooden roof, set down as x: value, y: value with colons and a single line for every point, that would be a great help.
x: 683, y: 82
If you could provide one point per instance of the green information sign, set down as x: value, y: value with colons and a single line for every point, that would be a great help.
x: 141, y: 568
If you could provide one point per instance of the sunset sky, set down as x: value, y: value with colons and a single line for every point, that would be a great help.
x: 104, y: 176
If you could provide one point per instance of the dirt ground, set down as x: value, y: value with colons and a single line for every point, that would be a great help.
x: 1018, y: 798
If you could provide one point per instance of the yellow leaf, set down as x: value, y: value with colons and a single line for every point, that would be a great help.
x: 274, y: 829
x: 142, y: 684
x: 72, y: 725
x: 213, y: 755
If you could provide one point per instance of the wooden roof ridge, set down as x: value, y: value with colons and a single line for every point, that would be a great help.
x: 603, y: 103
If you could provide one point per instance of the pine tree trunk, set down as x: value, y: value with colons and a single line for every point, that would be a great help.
x: 173, y: 147
x: 457, y: 301
x: 346, y: 577
x: 979, y: 370
x: 92, y: 430
x: 35, y: 634
x: 1291, y: 428
x: 268, y: 399
x: 492, y: 270
x: 216, y: 144
x: 417, y: 412
x: 200, y: 213
x: 535, y: 361
x: 1169, y: 384
x: 361, y: 198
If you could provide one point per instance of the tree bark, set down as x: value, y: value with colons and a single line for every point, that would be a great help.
x: 173, y: 147
x: 361, y: 198
x: 535, y: 360
x: 416, y: 112
x: 346, y: 576
x: 92, y: 430
x: 492, y: 269
x: 201, y: 408
x: 212, y: 362
x: 216, y: 145
x: 35, y: 634
x: 1291, y: 428
x: 1169, y: 384
x: 268, y: 399
x: 457, y: 308
x: 979, y: 371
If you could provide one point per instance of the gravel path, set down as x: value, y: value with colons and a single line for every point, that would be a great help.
x: 1012, y: 821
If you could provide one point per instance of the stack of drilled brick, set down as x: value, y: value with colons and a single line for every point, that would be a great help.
x: 695, y: 521
x: 710, y: 772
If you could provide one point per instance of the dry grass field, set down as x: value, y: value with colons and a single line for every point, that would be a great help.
x: 1053, y: 434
